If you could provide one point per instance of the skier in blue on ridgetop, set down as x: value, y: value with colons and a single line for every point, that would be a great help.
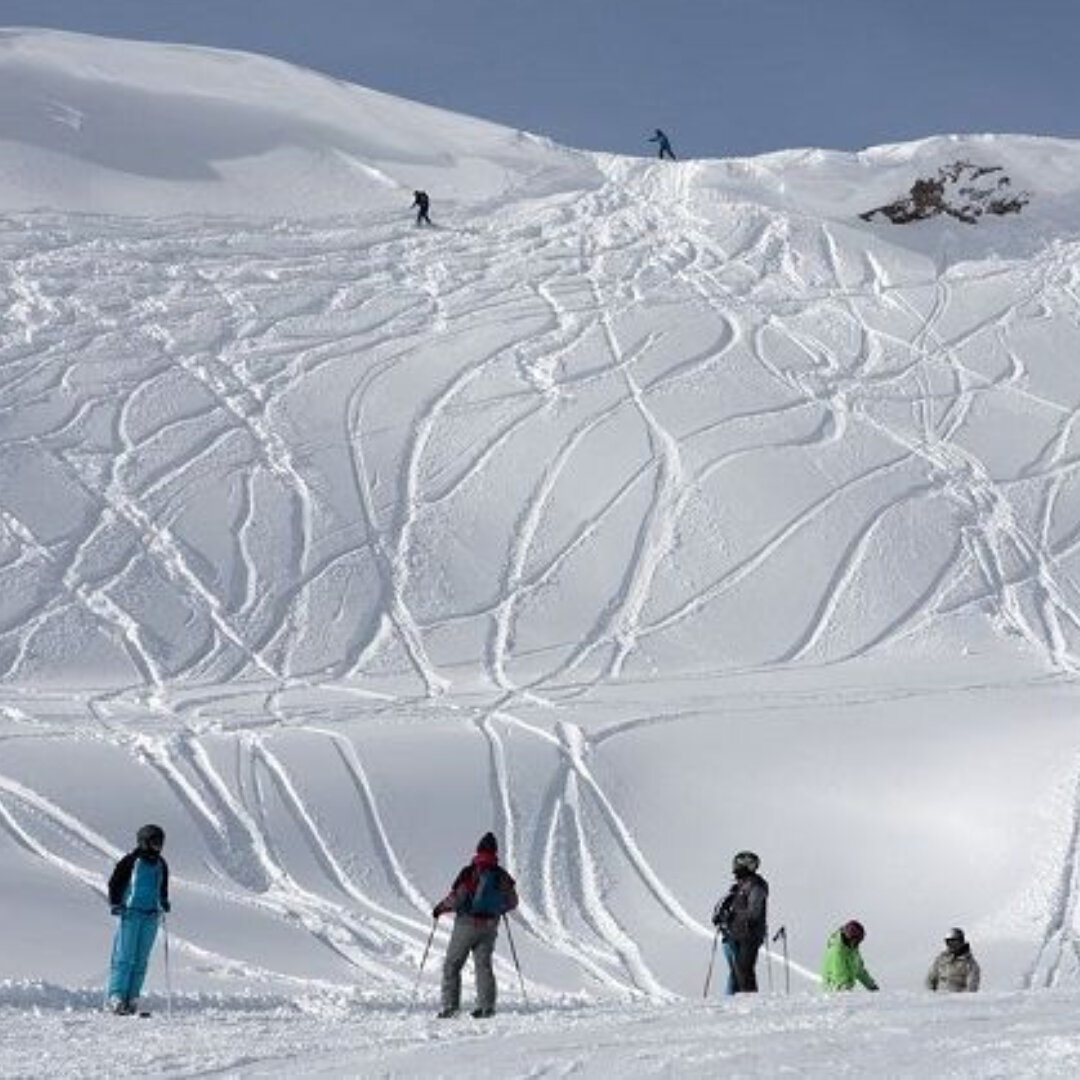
x: 664, y: 150
x: 138, y: 894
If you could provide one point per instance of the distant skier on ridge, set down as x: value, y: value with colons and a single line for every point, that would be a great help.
x: 664, y: 149
x: 422, y: 202
x: 138, y: 895
x: 843, y: 965
x: 481, y: 895
x: 741, y: 918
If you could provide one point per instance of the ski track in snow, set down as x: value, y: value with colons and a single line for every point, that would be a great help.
x: 194, y: 503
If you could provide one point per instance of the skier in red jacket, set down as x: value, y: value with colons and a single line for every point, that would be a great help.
x: 482, y: 893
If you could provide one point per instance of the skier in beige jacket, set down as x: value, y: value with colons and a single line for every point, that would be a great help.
x: 955, y: 970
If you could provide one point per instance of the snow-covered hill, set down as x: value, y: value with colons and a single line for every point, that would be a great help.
x: 92, y: 125
x: 641, y: 511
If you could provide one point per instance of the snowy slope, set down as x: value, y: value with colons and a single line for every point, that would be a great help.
x: 999, y: 1036
x: 99, y: 126
x: 641, y: 512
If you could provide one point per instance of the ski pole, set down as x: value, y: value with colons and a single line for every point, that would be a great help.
x: 108, y: 978
x: 712, y: 961
x: 768, y: 960
x: 423, y: 961
x: 513, y: 953
x: 168, y: 971
x: 782, y: 935
x: 112, y: 964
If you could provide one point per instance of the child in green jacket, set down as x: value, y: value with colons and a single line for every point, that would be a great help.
x: 843, y: 965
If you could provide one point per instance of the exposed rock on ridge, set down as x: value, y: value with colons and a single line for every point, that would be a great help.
x: 961, y: 190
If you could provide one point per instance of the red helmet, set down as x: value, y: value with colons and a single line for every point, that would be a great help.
x: 854, y: 931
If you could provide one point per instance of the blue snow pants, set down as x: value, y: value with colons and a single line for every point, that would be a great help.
x: 731, y: 951
x: 741, y: 959
x: 131, y: 952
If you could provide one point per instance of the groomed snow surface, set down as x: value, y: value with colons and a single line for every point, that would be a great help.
x: 994, y: 1036
x: 640, y: 512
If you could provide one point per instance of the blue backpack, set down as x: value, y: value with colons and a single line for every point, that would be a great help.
x: 487, y: 897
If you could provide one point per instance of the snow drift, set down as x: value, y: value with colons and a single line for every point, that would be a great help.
x: 94, y: 125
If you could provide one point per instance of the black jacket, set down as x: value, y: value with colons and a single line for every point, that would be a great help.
x: 741, y: 915
x: 121, y: 878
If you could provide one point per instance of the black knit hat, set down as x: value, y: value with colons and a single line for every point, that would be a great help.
x: 151, y: 837
x: 488, y: 842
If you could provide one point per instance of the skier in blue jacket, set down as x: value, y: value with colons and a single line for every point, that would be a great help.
x: 664, y: 150
x: 138, y: 894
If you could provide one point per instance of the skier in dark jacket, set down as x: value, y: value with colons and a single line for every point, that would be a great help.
x: 664, y: 150
x: 741, y: 918
x: 481, y: 895
x: 138, y: 894
x: 421, y: 202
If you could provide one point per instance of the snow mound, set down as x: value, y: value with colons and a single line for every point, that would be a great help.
x: 120, y: 127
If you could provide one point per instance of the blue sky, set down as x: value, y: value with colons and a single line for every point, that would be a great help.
x: 720, y: 76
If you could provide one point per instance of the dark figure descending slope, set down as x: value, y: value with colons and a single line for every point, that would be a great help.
x: 741, y: 919
x: 138, y: 894
x: 955, y: 970
x: 421, y: 202
x: 481, y: 895
x: 664, y: 150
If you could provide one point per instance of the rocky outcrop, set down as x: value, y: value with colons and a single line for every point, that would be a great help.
x: 961, y: 190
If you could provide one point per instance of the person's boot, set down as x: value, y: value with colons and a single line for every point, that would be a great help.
x: 446, y: 1014
x: 482, y: 1014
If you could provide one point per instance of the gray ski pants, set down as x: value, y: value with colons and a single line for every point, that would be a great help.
x: 476, y: 936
